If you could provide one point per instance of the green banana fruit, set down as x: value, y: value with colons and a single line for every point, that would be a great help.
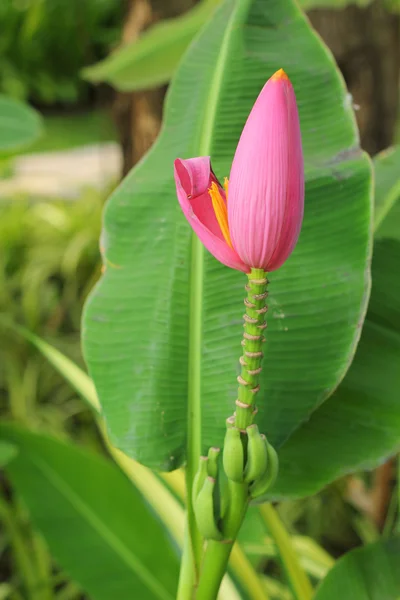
x: 261, y: 485
x: 199, y: 478
x: 233, y: 455
x: 212, y: 467
x: 257, y: 454
x: 204, y: 511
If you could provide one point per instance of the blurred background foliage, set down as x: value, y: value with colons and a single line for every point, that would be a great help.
x: 49, y: 258
x: 45, y: 43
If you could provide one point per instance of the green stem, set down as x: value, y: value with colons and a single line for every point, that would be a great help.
x: 20, y: 549
x: 298, y: 579
x: 194, y: 396
x: 43, y: 567
x: 246, y: 575
x: 253, y: 338
x: 217, y: 554
x: 214, y: 567
x: 187, y: 573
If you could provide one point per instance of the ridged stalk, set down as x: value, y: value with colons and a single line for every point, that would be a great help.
x: 253, y: 339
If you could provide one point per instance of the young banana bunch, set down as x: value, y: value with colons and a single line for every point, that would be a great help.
x: 249, y: 460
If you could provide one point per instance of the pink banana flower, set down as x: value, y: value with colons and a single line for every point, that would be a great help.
x: 258, y: 223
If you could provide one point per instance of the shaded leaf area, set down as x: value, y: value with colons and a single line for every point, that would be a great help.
x: 369, y: 573
x: 360, y: 423
x: 7, y: 452
x: 20, y: 125
x: 137, y: 321
x: 96, y: 524
x: 387, y: 184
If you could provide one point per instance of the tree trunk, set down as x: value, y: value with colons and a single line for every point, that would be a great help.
x: 366, y: 46
x: 138, y: 115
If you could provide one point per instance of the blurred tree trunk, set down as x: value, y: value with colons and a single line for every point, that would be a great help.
x: 366, y: 46
x: 364, y: 41
x: 138, y: 115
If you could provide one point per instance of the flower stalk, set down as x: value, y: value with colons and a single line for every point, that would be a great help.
x: 253, y: 340
x: 251, y: 224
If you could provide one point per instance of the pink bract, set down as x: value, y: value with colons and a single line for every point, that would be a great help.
x: 193, y: 178
x: 266, y: 187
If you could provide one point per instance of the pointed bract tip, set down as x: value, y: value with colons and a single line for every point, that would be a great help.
x: 279, y: 75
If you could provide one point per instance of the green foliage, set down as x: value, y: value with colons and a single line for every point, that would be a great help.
x: 20, y: 125
x: 7, y: 452
x: 48, y: 262
x: 44, y: 44
x: 387, y: 193
x: 84, y: 506
x: 362, y: 417
x: 370, y: 573
x: 150, y: 293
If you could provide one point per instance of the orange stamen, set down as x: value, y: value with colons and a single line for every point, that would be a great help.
x: 220, y: 210
x: 226, y: 186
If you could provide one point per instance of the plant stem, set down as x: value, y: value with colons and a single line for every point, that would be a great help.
x: 214, y: 566
x: 246, y: 575
x: 253, y: 338
x: 217, y: 554
x: 298, y: 579
x: 187, y: 573
x: 21, y: 553
x: 43, y: 567
x: 194, y: 397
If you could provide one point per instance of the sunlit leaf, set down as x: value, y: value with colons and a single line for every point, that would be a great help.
x: 369, y: 573
x: 137, y: 321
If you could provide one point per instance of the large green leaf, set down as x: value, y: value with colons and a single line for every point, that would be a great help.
x: 369, y: 573
x: 141, y: 322
x: 360, y: 424
x: 95, y: 522
x: 20, y: 125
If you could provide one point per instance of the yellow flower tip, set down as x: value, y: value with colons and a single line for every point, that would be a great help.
x: 221, y: 212
x: 280, y: 75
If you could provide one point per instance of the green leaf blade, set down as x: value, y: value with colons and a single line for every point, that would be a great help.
x: 359, y: 425
x: 317, y: 300
x: 20, y: 125
x: 369, y: 573
x: 95, y: 522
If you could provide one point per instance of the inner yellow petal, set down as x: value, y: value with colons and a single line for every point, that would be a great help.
x: 220, y: 209
x: 226, y: 186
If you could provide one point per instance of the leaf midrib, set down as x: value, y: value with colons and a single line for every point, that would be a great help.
x: 106, y: 533
x: 197, y: 260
